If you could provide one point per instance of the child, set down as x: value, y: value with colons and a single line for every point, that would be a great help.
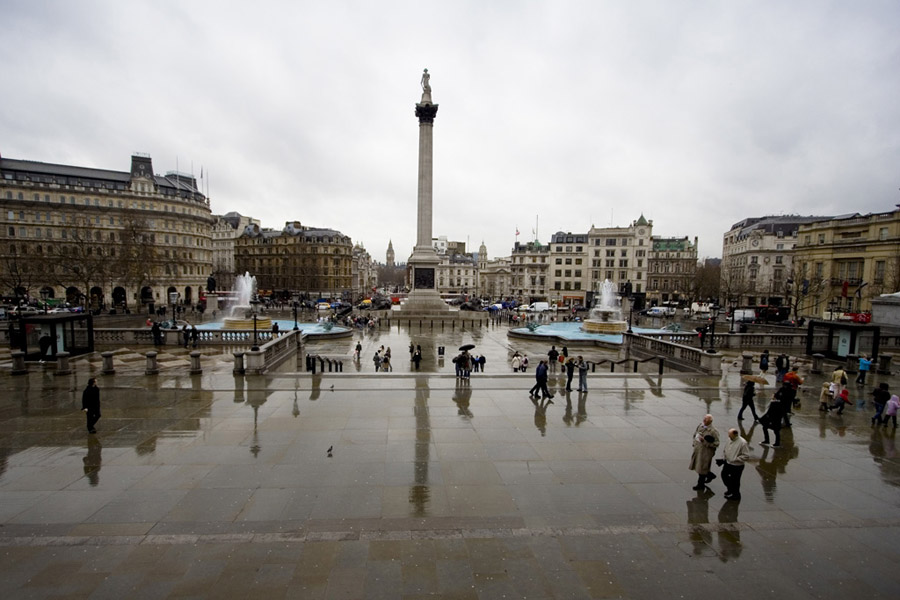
x: 891, y: 410
x: 825, y: 396
x: 839, y: 402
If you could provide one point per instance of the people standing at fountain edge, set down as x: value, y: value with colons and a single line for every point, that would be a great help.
x: 764, y: 362
x: 552, y: 359
x: 890, y: 412
x: 736, y: 452
x: 90, y: 404
x: 275, y: 328
x: 705, y: 442
x: 747, y: 401
x: 570, y: 370
x: 865, y: 363
x: 782, y: 364
x: 582, y: 374
x: 880, y: 397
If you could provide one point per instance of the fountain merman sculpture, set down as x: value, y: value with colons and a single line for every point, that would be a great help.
x: 606, y: 316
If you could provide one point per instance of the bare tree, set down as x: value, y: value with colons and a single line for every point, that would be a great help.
x: 21, y: 271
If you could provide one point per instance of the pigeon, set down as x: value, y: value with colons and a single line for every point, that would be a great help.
x: 332, y: 387
x: 329, y: 449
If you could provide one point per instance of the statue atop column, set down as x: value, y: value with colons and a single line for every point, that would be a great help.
x: 426, y: 88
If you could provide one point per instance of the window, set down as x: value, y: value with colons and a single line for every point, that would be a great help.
x: 610, y: 253
x: 883, y: 233
x: 754, y: 260
x: 879, y: 271
x: 821, y: 238
x: 558, y: 272
x: 559, y: 261
x: 778, y: 260
x: 568, y: 261
x: 577, y: 272
x: 611, y: 242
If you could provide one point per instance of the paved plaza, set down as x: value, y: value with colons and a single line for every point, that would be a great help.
x: 223, y: 486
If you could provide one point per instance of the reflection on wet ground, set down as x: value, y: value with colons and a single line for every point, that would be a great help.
x: 407, y: 485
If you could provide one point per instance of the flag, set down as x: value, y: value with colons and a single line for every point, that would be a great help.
x: 844, y: 287
x: 517, y: 231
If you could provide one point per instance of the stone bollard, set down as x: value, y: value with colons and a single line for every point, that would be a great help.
x: 152, y: 365
x: 852, y: 364
x: 62, y: 363
x: 817, y: 364
x: 196, y: 369
x: 18, y: 360
x: 746, y: 363
x: 108, y: 368
x: 238, y: 363
x: 884, y: 364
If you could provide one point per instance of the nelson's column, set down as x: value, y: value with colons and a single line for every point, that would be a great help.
x: 424, y: 297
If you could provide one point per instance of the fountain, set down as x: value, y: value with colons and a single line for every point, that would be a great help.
x: 605, y: 317
x: 240, y: 314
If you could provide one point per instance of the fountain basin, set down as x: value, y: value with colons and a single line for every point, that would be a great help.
x: 604, y: 327
x: 244, y: 323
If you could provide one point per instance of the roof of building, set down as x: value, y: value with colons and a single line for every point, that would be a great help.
x: 30, y: 170
x: 562, y: 237
x: 786, y: 224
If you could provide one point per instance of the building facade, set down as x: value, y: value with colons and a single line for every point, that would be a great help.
x: 528, y: 266
x: 314, y: 262
x: 757, y: 257
x: 225, y: 230
x: 620, y: 255
x: 841, y: 264
x: 494, y: 276
x: 672, y: 268
x: 569, y: 275
x: 364, y: 273
x: 103, y: 238
x: 457, y: 274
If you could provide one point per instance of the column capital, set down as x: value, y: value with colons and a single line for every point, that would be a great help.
x: 426, y: 112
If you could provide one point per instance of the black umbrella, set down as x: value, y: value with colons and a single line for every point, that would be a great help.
x: 467, y: 347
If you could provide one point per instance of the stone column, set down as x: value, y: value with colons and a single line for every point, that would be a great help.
x: 108, y: 368
x: 152, y: 365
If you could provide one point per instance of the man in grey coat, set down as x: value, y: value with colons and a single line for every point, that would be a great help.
x: 706, y: 440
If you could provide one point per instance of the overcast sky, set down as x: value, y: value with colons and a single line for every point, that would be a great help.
x: 561, y: 114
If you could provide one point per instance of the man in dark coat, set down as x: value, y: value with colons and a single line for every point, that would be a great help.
x: 90, y: 404
x: 540, y: 385
x: 570, y: 371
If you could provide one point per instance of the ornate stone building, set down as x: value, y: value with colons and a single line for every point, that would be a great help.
x: 364, y: 273
x: 315, y: 262
x: 757, y: 255
x: 100, y: 237
x: 673, y: 264
x: 621, y: 254
x: 389, y: 255
x: 226, y: 229
x: 842, y: 263
x: 529, y: 264
x: 569, y: 275
x: 493, y: 276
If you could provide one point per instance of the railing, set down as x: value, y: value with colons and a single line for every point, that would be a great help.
x: 273, y: 353
x: 677, y: 355
x: 171, y: 337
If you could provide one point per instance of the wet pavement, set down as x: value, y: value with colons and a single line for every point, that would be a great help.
x: 222, y: 486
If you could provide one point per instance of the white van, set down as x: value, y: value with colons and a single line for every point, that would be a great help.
x: 540, y: 307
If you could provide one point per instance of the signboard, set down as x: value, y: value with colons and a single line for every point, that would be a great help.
x: 843, y: 343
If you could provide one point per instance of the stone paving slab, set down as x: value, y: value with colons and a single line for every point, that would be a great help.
x: 221, y: 486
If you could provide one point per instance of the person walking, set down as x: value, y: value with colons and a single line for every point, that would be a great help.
x: 825, y: 396
x: 839, y: 379
x: 786, y: 395
x: 841, y: 401
x: 90, y: 404
x: 772, y: 419
x: 417, y: 358
x: 582, y: 374
x: 865, y: 363
x: 570, y: 371
x: 524, y: 366
x: 481, y: 362
x: 705, y: 442
x: 880, y: 396
x: 186, y: 335
x: 747, y: 401
x: 157, y: 333
x: 540, y: 385
x: 764, y: 362
x: 195, y: 336
x: 782, y: 364
x: 893, y: 406
x: 358, y: 352
x: 736, y: 453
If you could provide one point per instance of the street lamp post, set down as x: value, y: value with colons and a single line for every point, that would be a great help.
x: 733, y: 305
x: 712, y: 332
x: 44, y: 296
x: 254, y: 307
x: 295, y: 304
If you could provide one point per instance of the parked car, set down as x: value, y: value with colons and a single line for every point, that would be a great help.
x: 323, y: 306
